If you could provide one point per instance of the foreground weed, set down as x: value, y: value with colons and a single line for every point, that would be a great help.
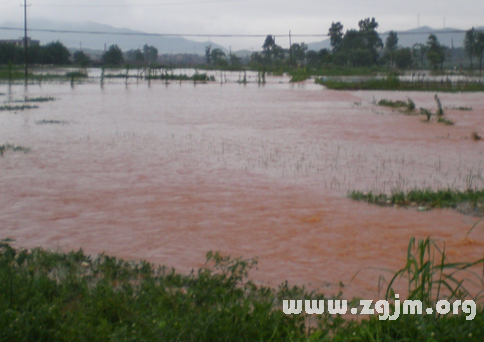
x: 432, y: 278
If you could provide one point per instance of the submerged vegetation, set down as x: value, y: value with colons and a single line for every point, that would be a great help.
x: 51, y: 122
x: 470, y: 201
x: 15, y: 108
x: 393, y: 83
x: 55, y: 296
x: 9, y: 147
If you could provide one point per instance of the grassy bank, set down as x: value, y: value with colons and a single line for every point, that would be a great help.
x: 470, y: 202
x: 395, y: 84
x: 53, y: 296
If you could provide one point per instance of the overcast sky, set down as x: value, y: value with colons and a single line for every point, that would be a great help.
x: 252, y: 16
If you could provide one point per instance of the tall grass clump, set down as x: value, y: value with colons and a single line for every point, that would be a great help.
x: 428, y: 277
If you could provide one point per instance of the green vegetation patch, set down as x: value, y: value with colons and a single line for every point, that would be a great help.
x: 299, y: 75
x: 393, y: 83
x: 408, y: 105
x: 469, y: 202
x: 15, y: 108
x: 9, y: 147
x: 54, y: 296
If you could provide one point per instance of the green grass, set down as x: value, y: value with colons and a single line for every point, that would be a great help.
x: 9, y: 147
x: 15, y: 108
x: 427, y: 198
x: 393, y: 83
x: 55, y: 296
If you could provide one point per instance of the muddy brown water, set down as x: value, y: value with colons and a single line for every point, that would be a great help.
x: 169, y: 172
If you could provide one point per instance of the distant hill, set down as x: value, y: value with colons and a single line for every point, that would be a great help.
x: 134, y: 40
x: 447, y: 36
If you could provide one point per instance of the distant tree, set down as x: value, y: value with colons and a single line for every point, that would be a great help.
x: 208, y: 57
x: 371, y: 38
x: 419, y: 52
x: 234, y: 60
x: 135, y: 56
x: 403, y: 58
x: 80, y: 58
x: 150, y: 53
x: 436, y: 52
x: 313, y: 58
x: 470, y: 44
x: 218, y: 57
x: 479, y: 50
x: 335, y: 34
x: 268, y: 47
x: 391, y: 45
x: 55, y: 53
x: 298, y: 52
x: 11, y: 54
x: 113, y: 56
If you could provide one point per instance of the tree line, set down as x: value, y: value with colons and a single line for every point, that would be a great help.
x: 361, y: 47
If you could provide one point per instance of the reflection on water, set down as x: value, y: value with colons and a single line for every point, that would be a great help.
x: 168, y: 172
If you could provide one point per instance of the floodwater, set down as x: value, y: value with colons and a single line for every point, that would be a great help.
x: 169, y: 172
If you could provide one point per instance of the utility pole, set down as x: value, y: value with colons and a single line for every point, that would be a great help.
x: 25, y: 39
x: 290, y: 50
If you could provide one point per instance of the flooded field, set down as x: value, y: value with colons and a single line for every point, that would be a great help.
x: 169, y: 172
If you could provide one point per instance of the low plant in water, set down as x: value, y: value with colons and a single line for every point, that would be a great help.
x: 15, y: 108
x: 445, y: 121
x: 440, y: 111
x: 51, y: 122
x: 9, y: 147
x: 472, y: 201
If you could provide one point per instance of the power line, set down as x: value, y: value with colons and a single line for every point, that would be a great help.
x: 141, y: 5
x: 211, y: 35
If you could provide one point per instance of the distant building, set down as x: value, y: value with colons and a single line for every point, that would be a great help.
x: 20, y: 41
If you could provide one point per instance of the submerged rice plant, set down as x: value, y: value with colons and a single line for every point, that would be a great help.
x: 15, y: 108
x: 9, y: 147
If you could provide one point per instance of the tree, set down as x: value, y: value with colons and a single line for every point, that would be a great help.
x: 55, y: 53
x: 298, y: 52
x: 150, y: 53
x: 80, y: 58
x: 208, y: 57
x: 470, y: 44
x: 335, y: 34
x: 113, y: 56
x: 370, y: 37
x: 403, y: 58
x: 135, y: 56
x: 419, y: 52
x: 391, y: 46
x: 234, y: 60
x: 479, y: 49
x: 218, y: 57
x: 436, y: 52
